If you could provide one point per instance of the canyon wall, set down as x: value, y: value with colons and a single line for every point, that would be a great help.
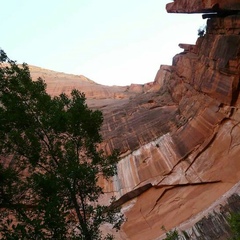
x: 179, y: 136
x: 180, y: 141
x: 202, y: 6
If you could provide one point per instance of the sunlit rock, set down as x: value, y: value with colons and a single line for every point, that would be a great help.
x: 178, y: 136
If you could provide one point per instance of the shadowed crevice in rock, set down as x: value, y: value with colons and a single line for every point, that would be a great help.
x: 130, y: 195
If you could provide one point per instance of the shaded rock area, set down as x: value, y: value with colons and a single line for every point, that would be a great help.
x: 178, y: 136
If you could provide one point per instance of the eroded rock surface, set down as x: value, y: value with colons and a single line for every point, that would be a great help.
x: 179, y: 136
x: 180, y: 143
x: 202, y: 6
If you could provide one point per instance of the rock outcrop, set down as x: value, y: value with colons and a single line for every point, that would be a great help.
x: 180, y: 142
x: 179, y: 136
x: 203, y: 6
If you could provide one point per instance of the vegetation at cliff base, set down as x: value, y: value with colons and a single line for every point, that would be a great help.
x: 234, y: 222
x: 171, y: 235
x: 50, y: 164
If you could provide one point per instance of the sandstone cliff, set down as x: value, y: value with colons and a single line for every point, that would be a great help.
x: 203, y: 6
x: 180, y: 143
x: 179, y: 137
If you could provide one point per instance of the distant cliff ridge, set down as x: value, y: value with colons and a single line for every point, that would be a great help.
x: 179, y: 136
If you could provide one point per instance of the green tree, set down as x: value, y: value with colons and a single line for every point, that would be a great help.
x: 50, y: 163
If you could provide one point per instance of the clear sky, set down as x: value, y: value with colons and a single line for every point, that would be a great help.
x: 112, y: 42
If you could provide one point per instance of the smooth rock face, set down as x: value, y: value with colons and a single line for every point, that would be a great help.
x: 179, y: 136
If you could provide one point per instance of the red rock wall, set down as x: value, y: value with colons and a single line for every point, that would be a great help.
x: 202, y: 6
x: 180, y: 144
x: 179, y: 135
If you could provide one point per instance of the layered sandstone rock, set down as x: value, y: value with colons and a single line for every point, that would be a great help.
x: 202, y: 6
x: 61, y: 82
x: 179, y: 135
x: 98, y: 96
x: 180, y: 143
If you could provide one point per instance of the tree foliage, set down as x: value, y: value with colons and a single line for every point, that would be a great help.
x: 49, y: 162
x: 171, y: 235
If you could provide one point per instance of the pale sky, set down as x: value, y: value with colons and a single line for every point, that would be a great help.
x: 112, y: 42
